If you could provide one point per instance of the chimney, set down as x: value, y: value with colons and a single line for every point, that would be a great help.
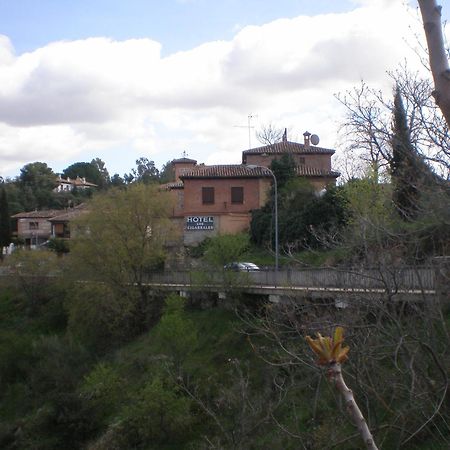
x: 306, y: 136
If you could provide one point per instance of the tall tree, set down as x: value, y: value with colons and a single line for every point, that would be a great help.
x: 123, y: 238
x: 431, y: 17
x: 283, y: 169
x: 408, y: 170
x: 5, y: 224
x: 103, y: 171
x: 269, y: 134
x: 368, y: 134
x: 145, y: 172
x: 167, y: 173
x: 37, y: 182
x: 90, y: 171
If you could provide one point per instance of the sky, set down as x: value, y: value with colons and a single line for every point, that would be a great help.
x: 160, y: 79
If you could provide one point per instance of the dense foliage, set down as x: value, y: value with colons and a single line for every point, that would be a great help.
x: 35, y: 187
x: 306, y: 218
x: 76, y: 373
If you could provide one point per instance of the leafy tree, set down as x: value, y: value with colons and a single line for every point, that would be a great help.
x: 159, y: 415
x: 145, y: 172
x: 226, y: 248
x: 306, y: 220
x: 14, y: 196
x: 167, y: 173
x: 176, y: 332
x: 100, y: 165
x: 5, y: 222
x: 283, y: 169
x: 30, y: 274
x: 101, y: 318
x: 37, y: 182
x: 89, y: 171
x: 123, y: 238
x: 104, y: 389
x: 117, y: 180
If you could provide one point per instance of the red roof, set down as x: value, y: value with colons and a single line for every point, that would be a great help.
x: 288, y: 147
x: 173, y: 185
x: 70, y: 213
x: 43, y: 214
x: 183, y: 161
x: 305, y: 171
x: 226, y: 171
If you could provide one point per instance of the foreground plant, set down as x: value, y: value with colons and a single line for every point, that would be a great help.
x: 332, y: 354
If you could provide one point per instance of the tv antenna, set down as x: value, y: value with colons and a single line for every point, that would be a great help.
x: 249, y: 126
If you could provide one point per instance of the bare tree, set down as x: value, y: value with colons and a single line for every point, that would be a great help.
x: 431, y: 17
x: 399, y: 351
x: 269, y: 134
x: 367, y: 131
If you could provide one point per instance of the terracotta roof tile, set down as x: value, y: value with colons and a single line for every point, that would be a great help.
x: 305, y: 171
x: 173, y: 185
x: 43, y: 214
x: 70, y: 214
x: 288, y: 147
x: 184, y: 160
x: 82, y: 182
x: 226, y: 171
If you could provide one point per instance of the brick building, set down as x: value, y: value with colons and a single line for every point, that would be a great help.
x: 33, y: 227
x: 218, y: 199
x: 312, y: 162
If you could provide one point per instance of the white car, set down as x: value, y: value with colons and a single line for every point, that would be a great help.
x: 241, y: 267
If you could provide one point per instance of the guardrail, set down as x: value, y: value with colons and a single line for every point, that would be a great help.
x: 406, y: 278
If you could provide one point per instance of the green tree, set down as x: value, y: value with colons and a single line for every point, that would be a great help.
x: 89, y: 171
x: 167, y: 173
x: 105, y: 179
x: 123, y: 238
x: 5, y: 222
x: 37, y: 182
x: 100, y: 317
x: 159, y: 417
x: 145, y: 172
x: 178, y: 334
x: 283, y: 169
x: 406, y: 170
x: 226, y: 248
x: 117, y: 180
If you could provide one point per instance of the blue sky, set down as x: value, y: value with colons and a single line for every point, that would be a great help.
x: 177, y: 24
x: 124, y: 79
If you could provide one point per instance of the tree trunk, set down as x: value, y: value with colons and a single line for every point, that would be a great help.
x: 431, y: 18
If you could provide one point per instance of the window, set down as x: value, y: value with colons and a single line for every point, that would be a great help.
x: 237, y: 195
x: 207, y: 195
x: 34, y: 225
x: 301, y: 160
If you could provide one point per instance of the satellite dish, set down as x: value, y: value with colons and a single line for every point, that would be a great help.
x: 314, y: 139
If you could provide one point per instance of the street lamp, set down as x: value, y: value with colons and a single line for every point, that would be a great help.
x: 253, y: 166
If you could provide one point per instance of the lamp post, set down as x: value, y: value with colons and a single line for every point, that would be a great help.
x: 253, y: 166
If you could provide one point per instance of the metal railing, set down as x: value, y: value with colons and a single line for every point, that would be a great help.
x: 405, y: 278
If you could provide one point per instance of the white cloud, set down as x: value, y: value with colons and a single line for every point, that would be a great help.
x: 73, y: 97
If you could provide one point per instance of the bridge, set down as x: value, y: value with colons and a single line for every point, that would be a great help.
x: 396, y: 283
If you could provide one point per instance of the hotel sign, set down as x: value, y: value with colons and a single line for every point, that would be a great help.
x: 199, y: 223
